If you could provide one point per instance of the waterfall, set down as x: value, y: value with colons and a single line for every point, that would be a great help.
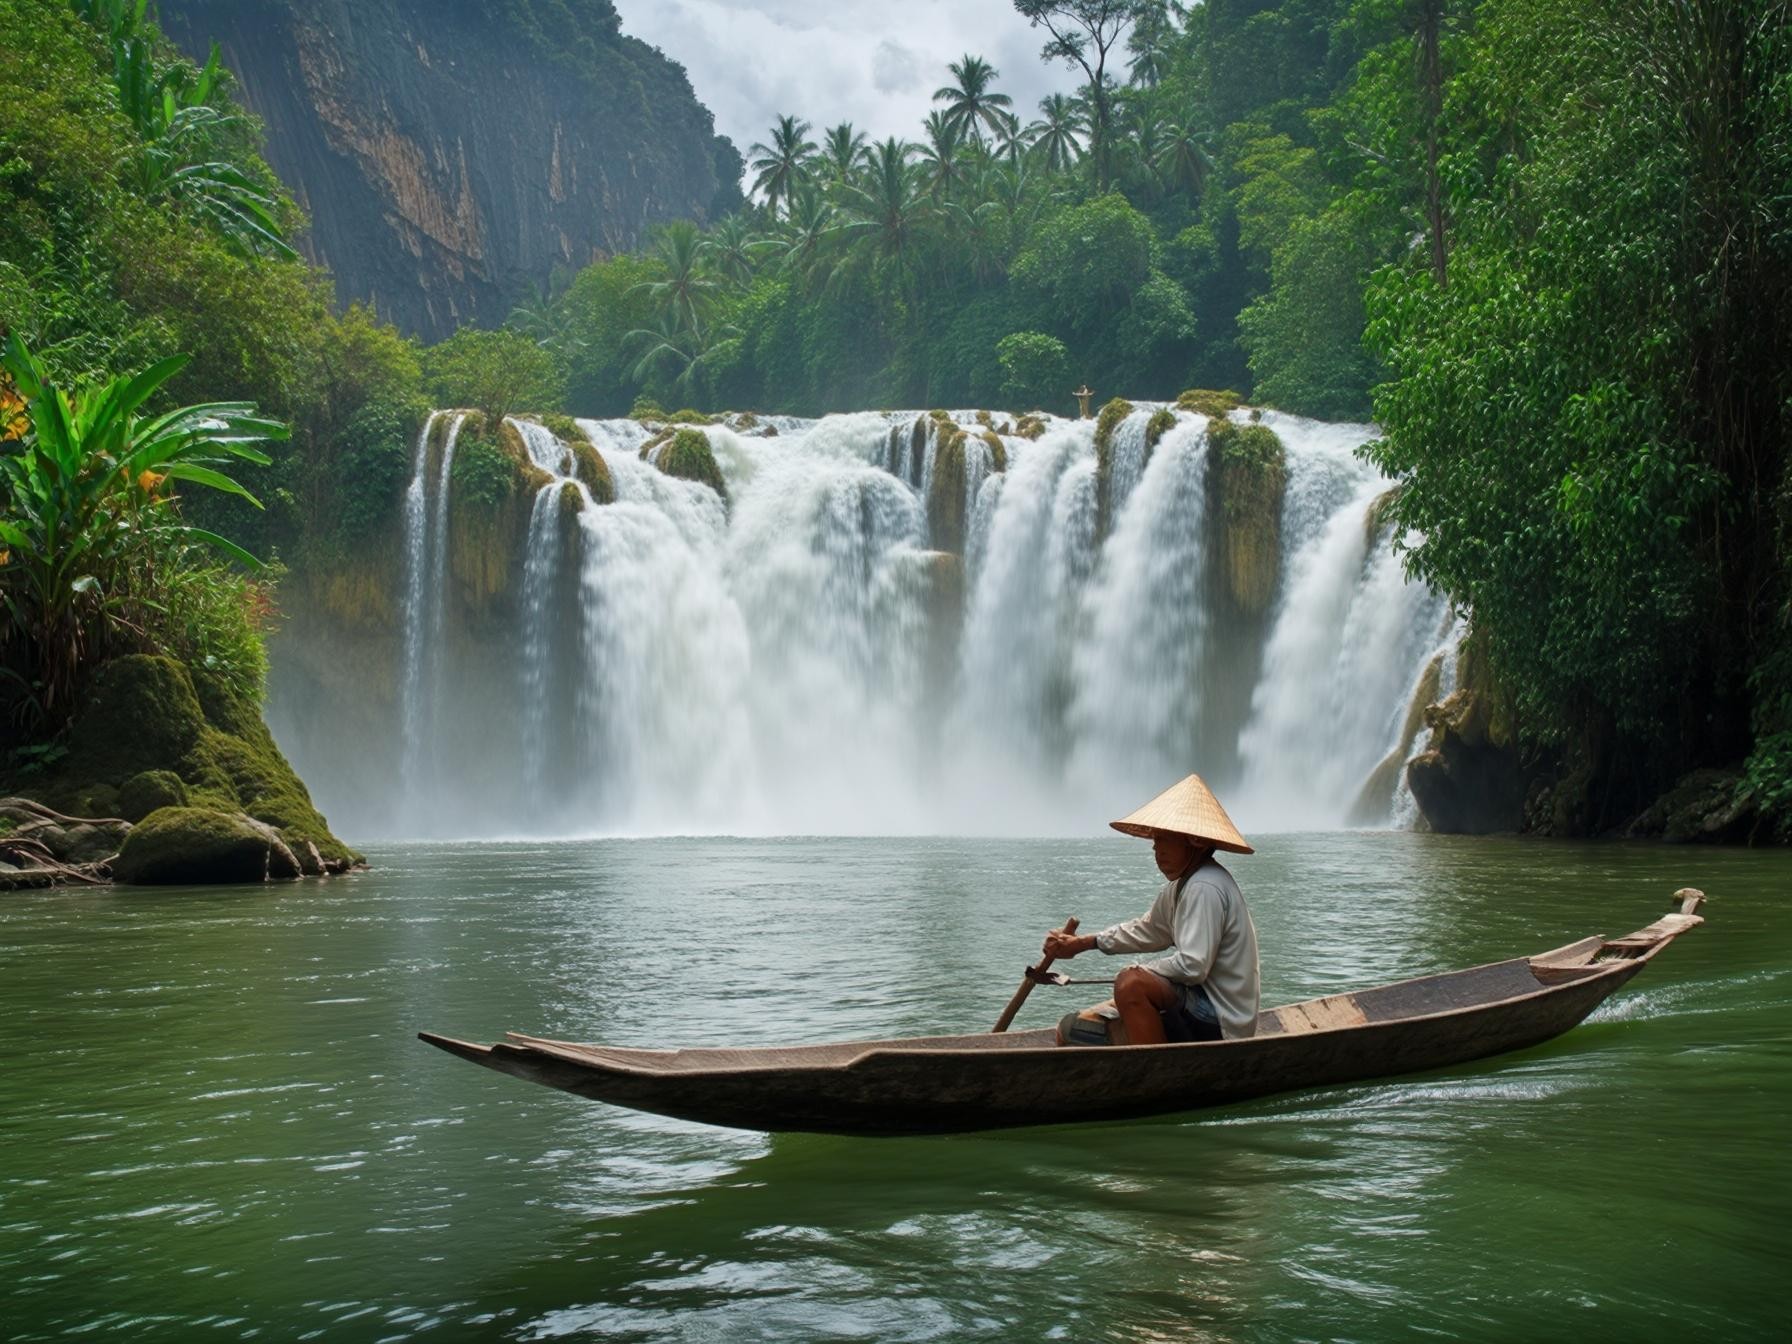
x: 1348, y: 637
x: 1135, y: 707
x: 541, y: 577
x: 426, y: 567
x: 798, y: 657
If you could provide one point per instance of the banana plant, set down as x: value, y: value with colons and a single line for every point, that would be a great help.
x: 89, y: 484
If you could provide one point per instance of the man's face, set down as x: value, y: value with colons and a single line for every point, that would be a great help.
x: 1173, y: 853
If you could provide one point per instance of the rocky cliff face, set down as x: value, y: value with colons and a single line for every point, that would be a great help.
x: 452, y: 153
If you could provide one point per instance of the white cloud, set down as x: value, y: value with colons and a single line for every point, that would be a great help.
x: 869, y: 62
x: 894, y: 68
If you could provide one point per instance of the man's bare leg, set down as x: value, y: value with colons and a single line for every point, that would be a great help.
x: 1141, y: 995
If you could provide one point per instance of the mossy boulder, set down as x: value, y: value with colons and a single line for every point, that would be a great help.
x: 646, y: 409
x: 1706, y: 806
x: 198, y: 845
x: 145, y: 715
x: 591, y: 469
x: 149, y: 792
x: 1109, y: 420
x: 1379, y: 520
x: 562, y: 427
x: 1371, y: 803
x: 1029, y: 426
x: 1162, y: 421
x: 1215, y: 405
x: 945, y: 493
x: 688, y: 456
x: 998, y: 451
x: 1469, y: 779
x: 1250, y: 475
x: 690, y: 417
x: 140, y: 713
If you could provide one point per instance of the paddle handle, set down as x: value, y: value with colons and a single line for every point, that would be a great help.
x: 1026, y: 987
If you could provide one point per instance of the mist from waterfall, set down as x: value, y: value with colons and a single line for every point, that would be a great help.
x: 798, y: 659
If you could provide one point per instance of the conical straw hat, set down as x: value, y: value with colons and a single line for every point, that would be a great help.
x: 1190, y: 809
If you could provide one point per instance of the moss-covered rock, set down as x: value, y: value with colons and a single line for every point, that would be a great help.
x: 998, y: 451
x: 197, y: 845
x: 148, y: 792
x: 1214, y: 405
x: 1029, y: 426
x: 688, y: 456
x: 144, y: 714
x: 1378, y: 521
x: 140, y: 713
x: 1109, y: 420
x: 646, y: 409
x: 1372, y: 800
x: 572, y: 504
x: 689, y: 417
x: 945, y: 494
x: 589, y: 466
x: 1162, y: 421
x: 1250, y: 475
x: 562, y: 427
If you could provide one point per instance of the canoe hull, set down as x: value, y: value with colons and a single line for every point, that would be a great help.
x: 891, y: 1090
x: 952, y: 1084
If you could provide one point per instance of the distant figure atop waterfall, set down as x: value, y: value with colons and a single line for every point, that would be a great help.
x: 1206, y: 988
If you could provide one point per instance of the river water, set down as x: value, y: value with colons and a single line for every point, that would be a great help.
x: 217, y: 1122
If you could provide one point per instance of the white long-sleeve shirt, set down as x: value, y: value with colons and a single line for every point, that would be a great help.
x: 1212, y: 940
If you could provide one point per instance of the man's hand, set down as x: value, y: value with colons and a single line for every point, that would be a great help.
x: 1061, y: 946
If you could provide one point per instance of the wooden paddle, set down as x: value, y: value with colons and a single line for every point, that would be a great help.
x: 1026, y: 986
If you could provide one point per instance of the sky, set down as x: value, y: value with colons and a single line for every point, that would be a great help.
x: 874, y: 63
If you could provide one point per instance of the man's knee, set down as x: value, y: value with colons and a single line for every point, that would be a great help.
x: 1134, y: 985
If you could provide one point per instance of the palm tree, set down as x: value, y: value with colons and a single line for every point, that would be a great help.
x: 940, y: 165
x: 1184, y: 158
x: 971, y: 106
x: 784, y: 164
x: 1011, y: 141
x: 1152, y: 43
x: 730, y: 249
x: 686, y: 287
x: 885, y: 209
x: 669, y: 345
x: 1057, y: 136
x: 802, y: 244
x: 1145, y: 144
x: 842, y: 151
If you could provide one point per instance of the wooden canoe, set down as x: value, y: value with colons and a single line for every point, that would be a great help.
x: 946, y: 1084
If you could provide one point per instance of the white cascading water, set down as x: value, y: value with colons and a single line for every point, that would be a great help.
x: 1134, y: 705
x: 541, y: 564
x: 773, y: 663
x: 426, y: 565
x: 1349, y: 636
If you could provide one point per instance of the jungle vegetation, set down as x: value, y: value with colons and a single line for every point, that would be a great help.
x: 1544, y: 244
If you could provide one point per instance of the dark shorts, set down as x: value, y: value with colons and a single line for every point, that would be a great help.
x: 1193, y: 1017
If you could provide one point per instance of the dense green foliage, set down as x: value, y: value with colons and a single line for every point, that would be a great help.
x: 90, y: 524
x: 138, y: 220
x: 1591, y: 405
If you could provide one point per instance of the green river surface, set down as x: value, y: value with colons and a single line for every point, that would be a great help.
x: 219, y: 1124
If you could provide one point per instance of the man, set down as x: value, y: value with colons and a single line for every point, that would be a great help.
x: 1206, y: 988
